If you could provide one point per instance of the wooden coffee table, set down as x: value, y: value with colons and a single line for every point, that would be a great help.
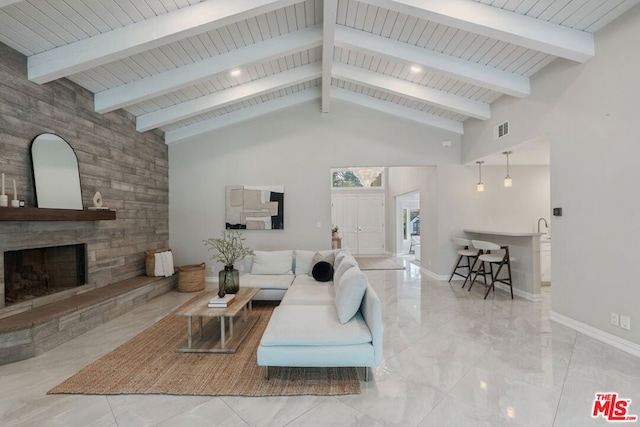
x: 213, y: 336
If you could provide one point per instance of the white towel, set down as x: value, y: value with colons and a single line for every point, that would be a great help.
x: 167, y: 263
x: 158, y: 269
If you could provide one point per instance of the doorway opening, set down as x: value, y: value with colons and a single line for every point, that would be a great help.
x: 408, y: 224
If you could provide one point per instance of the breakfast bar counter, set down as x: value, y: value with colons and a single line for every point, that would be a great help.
x: 524, y: 247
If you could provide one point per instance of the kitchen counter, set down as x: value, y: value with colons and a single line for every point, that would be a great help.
x: 504, y: 233
x: 524, y: 248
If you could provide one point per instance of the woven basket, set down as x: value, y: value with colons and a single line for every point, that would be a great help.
x: 150, y: 261
x: 191, y: 278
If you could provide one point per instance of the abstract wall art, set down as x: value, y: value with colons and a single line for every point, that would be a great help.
x: 255, y: 207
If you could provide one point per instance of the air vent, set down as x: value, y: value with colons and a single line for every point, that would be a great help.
x: 501, y: 130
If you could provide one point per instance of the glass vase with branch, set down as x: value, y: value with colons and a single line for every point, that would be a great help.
x: 228, y: 249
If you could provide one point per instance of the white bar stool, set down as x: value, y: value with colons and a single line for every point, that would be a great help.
x: 500, y: 258
x: 467, y: 252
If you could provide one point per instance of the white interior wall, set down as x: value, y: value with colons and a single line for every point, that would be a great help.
x: 296, y: 148
x: 589, y: 113
x: 510, y: 209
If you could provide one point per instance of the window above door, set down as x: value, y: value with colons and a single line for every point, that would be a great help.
x: 360, y: 178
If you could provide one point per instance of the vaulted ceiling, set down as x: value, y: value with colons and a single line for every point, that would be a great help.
x: 188, y: 66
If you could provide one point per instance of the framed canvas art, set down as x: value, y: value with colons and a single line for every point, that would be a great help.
x: 254, y: 207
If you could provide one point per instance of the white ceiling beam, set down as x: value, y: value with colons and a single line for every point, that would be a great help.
x: 220, y: 99
x: 330, y: 12
x: 238, y: 116
x: 178, y: 78
x: 144, y: 35
x: 468, y: 107
x: 460, y: 69
x: 397, y: 110
x: 499, y: 24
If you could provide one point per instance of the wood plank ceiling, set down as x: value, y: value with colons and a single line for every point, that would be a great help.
x: 189, y: 66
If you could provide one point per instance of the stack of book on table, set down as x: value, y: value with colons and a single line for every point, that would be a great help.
x: 225, y: 301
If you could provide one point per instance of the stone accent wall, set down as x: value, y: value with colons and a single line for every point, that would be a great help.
x: 130, y: 169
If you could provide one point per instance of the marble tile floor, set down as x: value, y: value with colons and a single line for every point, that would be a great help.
x: 451, y: 359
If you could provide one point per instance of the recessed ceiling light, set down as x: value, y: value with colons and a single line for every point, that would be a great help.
x: 415, y: 69
x: 235, y: 73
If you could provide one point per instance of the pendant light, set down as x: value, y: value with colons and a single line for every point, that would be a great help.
x: 480, y: 185
x: 507, y: 179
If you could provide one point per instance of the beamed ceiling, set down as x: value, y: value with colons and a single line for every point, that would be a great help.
x: 188, y: 66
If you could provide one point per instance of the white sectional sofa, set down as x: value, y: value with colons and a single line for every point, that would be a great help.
x: 317, y: 324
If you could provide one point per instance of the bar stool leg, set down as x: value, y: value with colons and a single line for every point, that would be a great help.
x: 507, y: 281
x: 475, y: 260
x: 481, y: 269
x: 493, y: 280
x: 490, y: 274
x: 455, y: 268
x: 510, y: 276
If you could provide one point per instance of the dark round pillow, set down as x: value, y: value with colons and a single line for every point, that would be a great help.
x: 322, y: 271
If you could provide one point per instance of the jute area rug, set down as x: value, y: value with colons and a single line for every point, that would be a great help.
x: 379, y: 263
x: 149, y: 364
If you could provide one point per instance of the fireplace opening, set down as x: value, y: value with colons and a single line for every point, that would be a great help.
x: 32, y: 273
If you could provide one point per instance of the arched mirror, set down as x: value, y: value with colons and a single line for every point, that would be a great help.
x: 55, y: 172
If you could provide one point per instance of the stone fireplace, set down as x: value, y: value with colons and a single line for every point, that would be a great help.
x: 37, y: 272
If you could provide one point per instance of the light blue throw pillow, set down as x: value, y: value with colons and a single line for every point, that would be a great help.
x: 349, y: 293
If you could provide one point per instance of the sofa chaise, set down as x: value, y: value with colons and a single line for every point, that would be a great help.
x: 337, y: 323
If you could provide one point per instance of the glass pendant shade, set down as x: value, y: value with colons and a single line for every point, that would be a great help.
x: 508, y: 182
x: 479, y: 185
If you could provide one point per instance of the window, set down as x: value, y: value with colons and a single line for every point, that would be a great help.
x: 358, y: 177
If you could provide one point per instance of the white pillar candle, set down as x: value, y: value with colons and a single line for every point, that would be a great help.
x: 15, y: 192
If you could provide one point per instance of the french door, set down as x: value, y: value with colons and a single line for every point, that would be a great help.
x: 361, y: 222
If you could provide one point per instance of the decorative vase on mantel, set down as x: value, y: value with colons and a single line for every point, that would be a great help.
x: 229, y: 280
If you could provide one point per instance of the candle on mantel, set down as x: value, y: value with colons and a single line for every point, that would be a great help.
x: 15, y: 192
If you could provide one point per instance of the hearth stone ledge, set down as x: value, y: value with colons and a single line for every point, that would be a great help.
x: 27, y: 334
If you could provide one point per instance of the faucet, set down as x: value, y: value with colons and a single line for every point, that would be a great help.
x: 545, y: 223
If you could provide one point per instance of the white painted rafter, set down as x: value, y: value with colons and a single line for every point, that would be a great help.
x: 499, y: 24
x: 397, y: 110
x: 458, y: 104
x: 207, y: 103
x: 178, y: 78
x: 254, y: 111
x: 460, y: 69
x: 329, y: 24
x: 153, y: 32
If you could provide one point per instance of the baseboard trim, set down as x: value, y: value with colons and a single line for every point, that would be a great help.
x: 520, y: 293
x: 433, y: 275
x: 605, y: 337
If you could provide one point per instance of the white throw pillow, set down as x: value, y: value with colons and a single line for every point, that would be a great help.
x: 345, y: 264
x: 340, y: 255
x: 303, y: 261
x: 272, y: 262
x: 349, y: 294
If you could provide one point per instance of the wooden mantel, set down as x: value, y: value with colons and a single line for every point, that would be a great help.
x: 46, y: 214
